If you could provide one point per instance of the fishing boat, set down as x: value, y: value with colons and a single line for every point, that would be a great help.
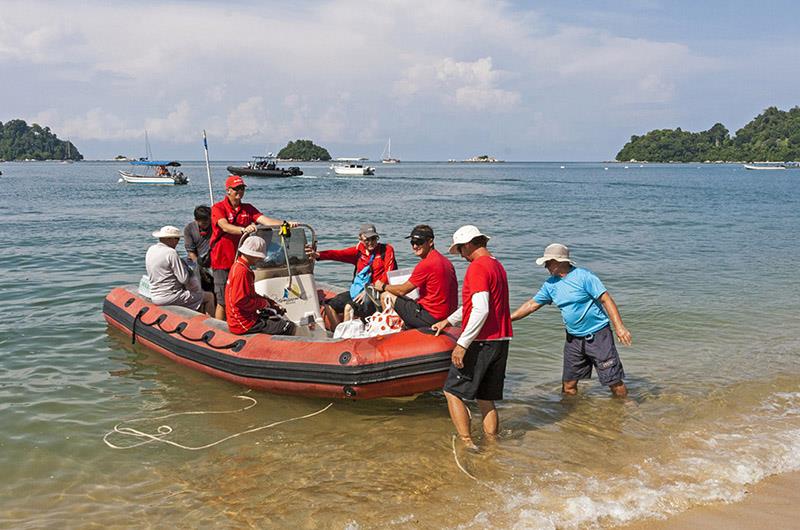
x: 386, y: 156
x: 310, y: 362
x: 264, y: 166
x: 158, y: 172
x: 352, y: 167
x: 766, y: 166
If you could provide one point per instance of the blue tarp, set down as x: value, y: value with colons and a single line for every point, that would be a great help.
x: 155, y: 163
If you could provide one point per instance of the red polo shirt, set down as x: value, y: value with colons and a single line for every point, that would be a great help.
x: 488, y: 274
x: 359, y: 257
x: 435, y: 278
x: 241, y: 299
x: 223, y: 245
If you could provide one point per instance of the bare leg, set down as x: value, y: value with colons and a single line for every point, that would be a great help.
x: 332, y: 317
x: 619, y: 390
x: 219, y: 314
x: 491, y: 420
x: 460, y: 417
x: 208, y: 303
x: 569, y: 387
x: 348, y: 312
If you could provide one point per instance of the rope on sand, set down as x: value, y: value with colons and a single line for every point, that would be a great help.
x: 165, y: 430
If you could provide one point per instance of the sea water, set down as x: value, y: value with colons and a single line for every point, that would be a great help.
x: 701, y: 259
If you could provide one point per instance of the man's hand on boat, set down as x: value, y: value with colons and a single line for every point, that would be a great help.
x: 439, y: 326
x: 311, y: 253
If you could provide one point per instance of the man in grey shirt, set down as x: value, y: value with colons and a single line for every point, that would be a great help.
x: 171, y: 281
x: 197, y: 238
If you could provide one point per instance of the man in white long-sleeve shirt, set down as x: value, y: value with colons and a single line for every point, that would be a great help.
x: 479, y: 358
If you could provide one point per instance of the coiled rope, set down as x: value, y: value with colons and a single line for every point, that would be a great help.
x: 165, y: 430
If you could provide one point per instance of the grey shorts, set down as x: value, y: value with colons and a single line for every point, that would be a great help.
x: 220, y: 279
x: 484, y: 372
x: 596, y: 350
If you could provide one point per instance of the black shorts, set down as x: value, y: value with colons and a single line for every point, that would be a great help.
x: 220, y: 279
x: 272, y: 325
x: 362, y: 310
x: 484, y: 372
x: 597, y: 350
x: 413, y: 314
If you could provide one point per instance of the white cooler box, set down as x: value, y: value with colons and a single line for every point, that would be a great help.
x: 401, y: 276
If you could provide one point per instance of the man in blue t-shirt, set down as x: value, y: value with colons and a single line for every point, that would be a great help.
x: 587, y: 310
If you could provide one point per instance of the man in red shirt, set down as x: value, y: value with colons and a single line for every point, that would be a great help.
x: 369, y: 257
x: 230, y: 218
x: 434, y: 277
x: 479, y: 358
x: 248, y: 311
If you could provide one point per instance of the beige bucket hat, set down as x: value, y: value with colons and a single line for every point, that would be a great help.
x: 465, y: 234
x: 555, y: 251
x: 167, y: 231
x: 255, y: 247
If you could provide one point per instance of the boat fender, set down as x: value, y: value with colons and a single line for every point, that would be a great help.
x: 345, y: 357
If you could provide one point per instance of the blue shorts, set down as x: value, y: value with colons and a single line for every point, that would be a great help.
x: 596, y: 350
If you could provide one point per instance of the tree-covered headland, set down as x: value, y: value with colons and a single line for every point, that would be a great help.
x: 304, y: 150
x: 18, y: 141
x: 773, y: 135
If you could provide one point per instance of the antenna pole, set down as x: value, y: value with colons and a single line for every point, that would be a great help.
x: 208, y: 168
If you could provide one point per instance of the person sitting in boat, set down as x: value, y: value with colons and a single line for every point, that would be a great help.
x: 372, y: 262
x: 230, y: 219
x: 162, y: 171
x: 171, y: 280
x: 435, y: 279
x: 196, y: 240
x: 248, y: 311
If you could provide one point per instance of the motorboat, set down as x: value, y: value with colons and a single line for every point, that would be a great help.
x: 309, y: 363
x: 264, y: 166
x: 352, y: 167
x: 766, y: 166
x: 158, y: 172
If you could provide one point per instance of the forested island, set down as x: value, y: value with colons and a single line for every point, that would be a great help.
x: 304, y: 150
x: 773, y: 135
x: 18, y: 141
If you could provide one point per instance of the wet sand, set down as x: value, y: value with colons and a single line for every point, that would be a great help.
x: 772, y: 503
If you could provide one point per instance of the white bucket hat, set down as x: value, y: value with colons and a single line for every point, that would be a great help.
x: 254, y: 246
x: 167, y: 231
x: 555, y: 251
x: 465, y: 234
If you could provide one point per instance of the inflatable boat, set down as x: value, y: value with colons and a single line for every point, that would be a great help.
x: 309, y: 363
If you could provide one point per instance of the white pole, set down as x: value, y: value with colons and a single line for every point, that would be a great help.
x: 208, y: 168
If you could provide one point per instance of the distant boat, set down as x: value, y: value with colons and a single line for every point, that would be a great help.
x: 765, y: 166
x: 352, y: 167
x: 264, y: 166
x: 386, y: 156
x: 161, y: 175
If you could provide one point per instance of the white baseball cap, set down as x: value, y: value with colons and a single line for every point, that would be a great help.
x: 254, y: 246
x: 555, y: 251
x: 167, y: 231
x: 465, y: 234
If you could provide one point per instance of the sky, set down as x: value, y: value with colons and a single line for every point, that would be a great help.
x: 547, y: 80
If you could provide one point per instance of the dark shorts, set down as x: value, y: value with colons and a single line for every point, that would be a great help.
x: 413, y: 314
x: 598, y: 351
x: 272, y: 325
x: 483, y: 374
x: 220, y: 279
x: 360, y: 310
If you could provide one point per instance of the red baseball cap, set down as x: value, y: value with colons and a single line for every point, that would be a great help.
x: 234, y: 181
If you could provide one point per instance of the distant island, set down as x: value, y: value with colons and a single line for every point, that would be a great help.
x: 18, y: 141
x: 482, y: 158
x: 773, y: 135
x: 304, y: 150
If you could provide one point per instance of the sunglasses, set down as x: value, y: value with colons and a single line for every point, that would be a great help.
x: 239, y: 189
x: 373, y: 239
x: 418, y: 242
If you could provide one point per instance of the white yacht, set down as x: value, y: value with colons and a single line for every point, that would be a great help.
x: 352, y: 167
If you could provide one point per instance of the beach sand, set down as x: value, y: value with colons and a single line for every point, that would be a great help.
x: 772, y: 503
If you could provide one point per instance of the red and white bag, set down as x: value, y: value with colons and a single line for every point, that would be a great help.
x: 383, y: 322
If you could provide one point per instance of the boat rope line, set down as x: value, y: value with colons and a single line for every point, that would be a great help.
x: 205, y: 338
x: 455, y: 456
x: 160, y: 436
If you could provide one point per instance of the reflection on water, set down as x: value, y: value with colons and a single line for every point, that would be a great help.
x: 715, y: 402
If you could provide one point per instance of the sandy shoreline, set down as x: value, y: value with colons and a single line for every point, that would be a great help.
x: 772, y: 503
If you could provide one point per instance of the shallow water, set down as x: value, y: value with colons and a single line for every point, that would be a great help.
x: 700, y: 259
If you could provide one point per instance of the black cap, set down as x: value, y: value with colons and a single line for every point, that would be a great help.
x: 421, y: 232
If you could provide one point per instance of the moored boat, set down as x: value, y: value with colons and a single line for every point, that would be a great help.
x: 765, y: 166
x: 264, y: 166
x: 352, y: 167
x: 310, y: 363
x: 386, y: 156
